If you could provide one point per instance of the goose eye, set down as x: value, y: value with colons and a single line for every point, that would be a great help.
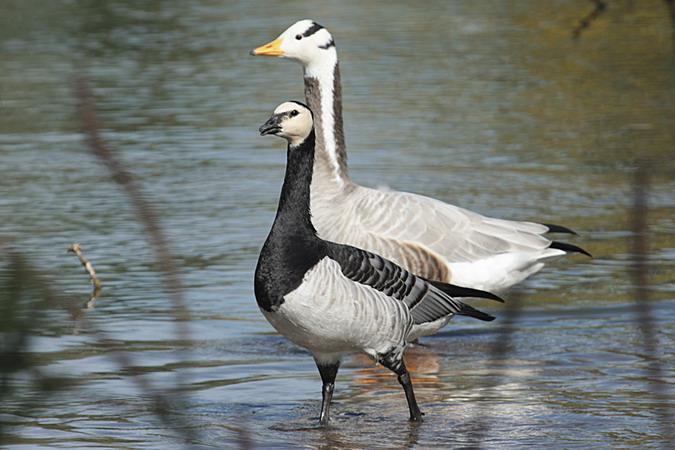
x: 294, y: 113
x: 298, y: 37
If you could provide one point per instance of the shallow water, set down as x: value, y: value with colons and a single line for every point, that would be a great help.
x: 487, y: 105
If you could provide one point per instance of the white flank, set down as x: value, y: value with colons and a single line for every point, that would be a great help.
x: 329, y: 313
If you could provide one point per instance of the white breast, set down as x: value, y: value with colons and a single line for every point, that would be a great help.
x: 329, y: 313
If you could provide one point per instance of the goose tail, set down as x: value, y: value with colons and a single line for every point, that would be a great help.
x: 553, y: 228
x: 470, y: 311
x: 569, y: 248
x: 459, y: 291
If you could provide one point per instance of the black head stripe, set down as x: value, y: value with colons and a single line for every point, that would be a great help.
x: 313, y: 29
x: 328, y: 45
x: 300, y: 103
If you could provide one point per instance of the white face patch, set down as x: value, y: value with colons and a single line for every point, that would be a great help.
x: 296, y: 124
x: 305, y: 43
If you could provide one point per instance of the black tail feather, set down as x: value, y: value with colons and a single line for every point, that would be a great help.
x: 473, y: 312
x: 569, y: 248
x: 458, y: 291
x: 552, y: 228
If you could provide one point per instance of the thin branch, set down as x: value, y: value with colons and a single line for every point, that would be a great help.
x: 586, y: 21
x: 165, y: 260
x: 639, y: 270
x: 146, y: 213
x: 670, y: 4
x: 52, y: 297
x: 77, y: 249
x: 25, y: 274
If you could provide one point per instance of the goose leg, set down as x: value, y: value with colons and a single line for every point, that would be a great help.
x: 328, y: 373
x: 396, y: 365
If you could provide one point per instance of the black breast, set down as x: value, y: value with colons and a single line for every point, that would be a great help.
x: 282, y: 266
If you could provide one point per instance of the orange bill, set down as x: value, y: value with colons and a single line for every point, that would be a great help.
x: 271, y: 49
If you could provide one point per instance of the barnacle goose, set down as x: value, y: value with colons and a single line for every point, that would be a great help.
x: 333, y: 298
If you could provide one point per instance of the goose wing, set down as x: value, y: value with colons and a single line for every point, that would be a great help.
x: 424, y: 299
x: 458, y: 234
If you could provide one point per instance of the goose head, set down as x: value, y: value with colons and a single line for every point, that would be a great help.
x: 291, y: 121
x: 305, y: 42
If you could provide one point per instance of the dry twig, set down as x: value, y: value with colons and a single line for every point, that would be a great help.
x: 77, y: 249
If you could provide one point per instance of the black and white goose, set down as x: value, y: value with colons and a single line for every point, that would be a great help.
x: 430, y: 238
x: 333, y: 298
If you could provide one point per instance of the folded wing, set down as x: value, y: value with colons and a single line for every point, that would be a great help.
x: 426, y: 300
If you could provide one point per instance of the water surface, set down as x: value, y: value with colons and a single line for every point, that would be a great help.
x: 488, y: 105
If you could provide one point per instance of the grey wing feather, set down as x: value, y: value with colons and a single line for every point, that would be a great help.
x: 379, y: 273
x: 426, y: 302
x: 456, y: 233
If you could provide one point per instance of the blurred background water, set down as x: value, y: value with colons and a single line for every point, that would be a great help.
x: 491, y: 105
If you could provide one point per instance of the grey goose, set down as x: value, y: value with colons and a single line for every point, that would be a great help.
x: 430, y: 238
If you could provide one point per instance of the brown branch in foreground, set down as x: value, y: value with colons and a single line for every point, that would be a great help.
x: 77, y: 249
x: 657, y: 383
x: 586, y: 21
x: 148, y: 217
x: 670, y: 4
x: 23, y: 273
x: 146, y: 213
x: 52, y: 297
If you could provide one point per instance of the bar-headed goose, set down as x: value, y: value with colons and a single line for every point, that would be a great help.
x: 430, y: 238
x: 332, y: 298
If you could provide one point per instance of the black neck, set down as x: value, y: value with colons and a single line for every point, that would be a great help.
x: 292, y: 247
x: 293, y: 215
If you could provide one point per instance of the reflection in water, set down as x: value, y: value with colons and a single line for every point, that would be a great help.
x: 488, y: 105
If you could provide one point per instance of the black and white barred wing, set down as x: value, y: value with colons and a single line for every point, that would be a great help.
x: 426, y: 302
